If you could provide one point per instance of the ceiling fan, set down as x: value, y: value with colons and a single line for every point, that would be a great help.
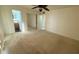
x: 41, y: 7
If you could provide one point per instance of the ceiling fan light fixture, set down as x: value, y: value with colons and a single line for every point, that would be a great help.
x: 41, y: 8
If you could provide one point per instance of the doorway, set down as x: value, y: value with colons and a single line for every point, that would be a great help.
x: 17, y: 20
x: 41, y: 22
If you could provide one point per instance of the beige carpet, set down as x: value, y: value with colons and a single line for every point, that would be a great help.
x: 41, y: 42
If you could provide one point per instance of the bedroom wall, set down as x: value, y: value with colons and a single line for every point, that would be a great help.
x: 1, y: 28
x: 31, y: 20
x: 1, y: 23
x: 7, y: 18
x: 64, y: 22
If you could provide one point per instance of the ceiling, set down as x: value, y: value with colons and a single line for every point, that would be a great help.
x: 51, y: 7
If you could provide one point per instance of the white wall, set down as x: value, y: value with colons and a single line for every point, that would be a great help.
x: 1, y: 28
x: 64, y: 22
x: 7, y: 18
x: 31, y: 20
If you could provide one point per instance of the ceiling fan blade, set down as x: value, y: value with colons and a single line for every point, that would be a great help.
x: 45, y: 5
x: 47, y: 9
x: 35, y: 7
